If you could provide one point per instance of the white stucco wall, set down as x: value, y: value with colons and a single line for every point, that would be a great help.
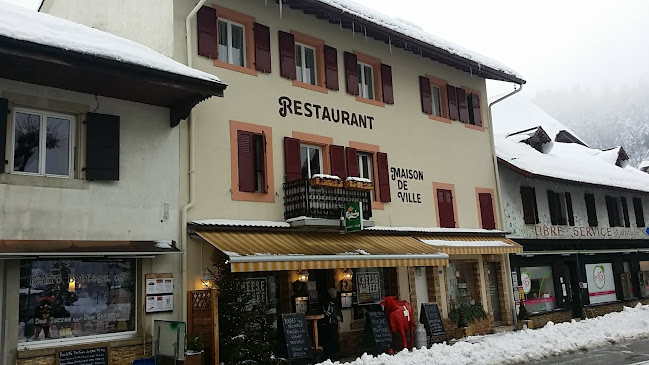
x: 511, y: 183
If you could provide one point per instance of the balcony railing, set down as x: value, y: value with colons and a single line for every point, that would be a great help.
x: 302, y: 199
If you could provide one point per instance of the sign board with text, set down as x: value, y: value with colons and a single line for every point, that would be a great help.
x: 296, y: 336
x: 353, y: 215
x: 85, y: 356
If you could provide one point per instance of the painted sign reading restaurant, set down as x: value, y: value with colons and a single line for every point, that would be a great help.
x: 581, y: 232
x: 312, y: 110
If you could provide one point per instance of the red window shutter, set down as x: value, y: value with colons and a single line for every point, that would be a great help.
x: 462, y: 106
x: 287, y: 55
x: 352, y: 162
x: 386, y: 81
x: 477, y: 113
x: 487, y: 211
x: 425, y: 92
x: 384, y: 176
x: 451, y: 95
x: 292, y: 159
x: 246, y: 146
x: 331, y: 67
x: 337, y: 159
x: 445, y: 206
x: 206, y: 30
x: 351, y: 73
x: 262, y: 48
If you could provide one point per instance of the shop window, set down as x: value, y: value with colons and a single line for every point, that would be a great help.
x: 42, y: 143
x: 369, y: 286
x: 627, y: 285
x: 538, y: 286
x: 601, y: 283
x: 643, y: 276
x: 63, y: 298
x: 530, y: 210
x: 461, y: 284
x: 311, y: 160
x: 639, y: 212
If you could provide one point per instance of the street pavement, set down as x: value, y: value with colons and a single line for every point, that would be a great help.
x: 624, y: 353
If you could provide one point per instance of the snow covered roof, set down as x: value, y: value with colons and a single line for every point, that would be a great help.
x: 435, y: 230
x: 403, y: 34
x: 240, y: 223
x: 565, y: 161
x: 19, y: 23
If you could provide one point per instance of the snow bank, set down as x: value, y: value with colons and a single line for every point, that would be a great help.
x: 28, y: 25
x: 528, y: 345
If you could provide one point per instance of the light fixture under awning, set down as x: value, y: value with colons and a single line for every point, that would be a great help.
x: 274, y: 251
x: 471, y: 245
x: 65, y: 248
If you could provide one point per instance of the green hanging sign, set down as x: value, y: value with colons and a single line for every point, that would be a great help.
x: 353, y: 215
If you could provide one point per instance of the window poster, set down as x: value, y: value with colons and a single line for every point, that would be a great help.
x: 368, y: 287
x: 72, y: 298
x: 601, y: 284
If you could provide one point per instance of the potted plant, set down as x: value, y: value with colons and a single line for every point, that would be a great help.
x: 524, y: 320
x: 195, y: 350
x: 463, y: 315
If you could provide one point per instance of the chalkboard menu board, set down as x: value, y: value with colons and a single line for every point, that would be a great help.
x: 90, y: 356
x: 380, y: 330
x: 431, y: 318
x: 296, y: 335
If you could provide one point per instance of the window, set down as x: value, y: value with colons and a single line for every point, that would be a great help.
x: 445, y: 208
x: 613, y: 209
x: 251, y: 154
x: 530, y: 210
x: 305, y: 62
x: 43, y: 143
x: 558, y: 205
x: 365, y: 81
x: 487, y: 218
x: 461, y: 283
x: 625, y: 279
x: 643, y: 276
x: 74, y: 298
x: 601, y: 284
x: 437, y: 100
x: 639, y: 212
x: 251, y: 162
x: 311, y: 159
x: 538, y: 286
x: 232, y: 47
x: 473, y: 106
x: 591, y: 211
x: 366, y: 168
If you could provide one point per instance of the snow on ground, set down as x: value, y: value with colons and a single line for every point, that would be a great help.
x: 528, y: 345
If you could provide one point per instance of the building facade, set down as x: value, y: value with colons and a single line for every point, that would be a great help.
x: 578, y: 213
x: 330, y: 105
x: 89, y: 188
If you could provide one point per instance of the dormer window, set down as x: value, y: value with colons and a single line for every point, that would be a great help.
x: 537, y: 138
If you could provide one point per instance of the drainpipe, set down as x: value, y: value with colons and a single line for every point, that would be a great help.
x: 500, y: 200
x: 190, y: 143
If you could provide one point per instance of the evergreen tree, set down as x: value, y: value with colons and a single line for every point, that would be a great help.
x: 247, y: 333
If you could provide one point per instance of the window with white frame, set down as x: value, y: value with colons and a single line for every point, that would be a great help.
x: 311, y: 157
x: 437, y: 100
x: 42, y: 143
x: 365, y: 80
x: 232, y: 47
x: 366, y: 166
x: 305, y: 62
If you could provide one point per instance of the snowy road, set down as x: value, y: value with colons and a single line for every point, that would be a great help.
x: 627, y: 353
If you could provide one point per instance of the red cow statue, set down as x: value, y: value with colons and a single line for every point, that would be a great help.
x: 400, y: 318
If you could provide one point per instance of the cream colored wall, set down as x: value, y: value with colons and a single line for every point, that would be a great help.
x: 447, y: 153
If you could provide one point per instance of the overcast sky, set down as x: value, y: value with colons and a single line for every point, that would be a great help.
x: 552, y: 43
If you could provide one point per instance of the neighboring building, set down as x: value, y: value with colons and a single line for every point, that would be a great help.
x: 333, y: 88
x: 89, y: 186
x: 579, y: 213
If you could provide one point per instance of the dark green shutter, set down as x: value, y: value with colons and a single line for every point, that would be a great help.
x: 3, y: 133
x: 102, y: 147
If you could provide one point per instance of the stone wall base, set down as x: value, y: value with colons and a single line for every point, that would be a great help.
x: 120, y: 354
x: 600, y: 310
x: 540, y: 320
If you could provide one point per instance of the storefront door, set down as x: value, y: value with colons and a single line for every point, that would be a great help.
x: 575, y: 292
x: 493, y: 291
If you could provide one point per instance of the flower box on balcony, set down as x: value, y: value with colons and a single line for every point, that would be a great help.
x: 327, y: 181
x: 358, y: 183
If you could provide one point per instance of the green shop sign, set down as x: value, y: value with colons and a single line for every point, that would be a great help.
x: 353, y: 217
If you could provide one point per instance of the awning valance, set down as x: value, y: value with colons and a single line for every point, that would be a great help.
x: 471, y: 245
x: 66, y: 248
x: 271, y: 251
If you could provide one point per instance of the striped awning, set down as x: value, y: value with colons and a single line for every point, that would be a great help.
x: 471, y: 245
x: 272, y: 251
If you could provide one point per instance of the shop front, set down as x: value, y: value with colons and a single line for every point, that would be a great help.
x: 64, y: 296
x: 564, y: 284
